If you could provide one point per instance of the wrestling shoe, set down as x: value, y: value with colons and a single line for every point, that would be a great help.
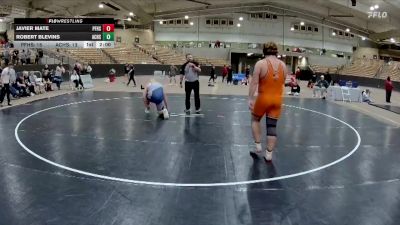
x: 165, y: 114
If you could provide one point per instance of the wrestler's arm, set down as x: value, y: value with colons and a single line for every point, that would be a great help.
x: 254, y: 80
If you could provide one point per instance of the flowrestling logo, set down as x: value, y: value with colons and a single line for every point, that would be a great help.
x: 377, y: 15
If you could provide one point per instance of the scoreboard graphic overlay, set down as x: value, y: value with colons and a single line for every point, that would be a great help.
x: 64, y: 32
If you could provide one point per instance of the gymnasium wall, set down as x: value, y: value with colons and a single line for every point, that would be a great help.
x: 255, y: 31
x: 128, y: 36
x: 367, y: 52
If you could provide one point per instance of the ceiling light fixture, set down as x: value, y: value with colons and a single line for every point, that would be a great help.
x: 376, y: 6
x: 347, y: 30
x: 1, y: 20
x: 363, y: 38
x: 302, y: 23
x: 292, y: 28
x: 129, y: 19
x: 191, y: 23
x: 101, y: 6
x: 131, y: 14
x: 186, y: 17
x: 241, y: 18
x: 161, y: 22
x: 239, y: 25
x: 372, y: 8
x: 392, y: 40
x: 333, y: 34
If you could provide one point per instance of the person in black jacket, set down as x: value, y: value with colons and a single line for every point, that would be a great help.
x: 230, y: 75
x: 131, y: 74
x: 212, y: 74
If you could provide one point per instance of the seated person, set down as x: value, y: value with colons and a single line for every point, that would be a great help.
x: 28, y: 84
x: 294, y: 86
x: 75, y: 79
x: 154, y: 93
x: 36, y: 82
x: 21, y: 87
x: 321, y: 86
x: 312, y: 81
x: 366, y: 96
x: 47, y: 81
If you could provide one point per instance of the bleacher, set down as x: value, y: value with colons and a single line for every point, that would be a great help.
x: 393, y: 70
x: 363, y: 67
x: 319, y: 69
x: 89, y: 55
x: 124, y: 54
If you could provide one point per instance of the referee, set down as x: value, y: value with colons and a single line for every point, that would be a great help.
x: 190, y: 72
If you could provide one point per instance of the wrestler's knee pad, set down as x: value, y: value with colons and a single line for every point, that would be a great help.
x: 271, y: 127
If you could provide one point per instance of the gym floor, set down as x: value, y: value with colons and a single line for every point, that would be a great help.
x: 96, y: 158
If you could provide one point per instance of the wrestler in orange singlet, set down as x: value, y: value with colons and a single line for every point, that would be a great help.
x: 269, y: 75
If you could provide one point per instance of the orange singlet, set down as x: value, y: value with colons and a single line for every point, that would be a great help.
x: 270, y: 93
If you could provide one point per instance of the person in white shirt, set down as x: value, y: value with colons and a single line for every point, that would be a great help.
x: 58, y: 75
x: 5, y: 79
x: 366, y: 96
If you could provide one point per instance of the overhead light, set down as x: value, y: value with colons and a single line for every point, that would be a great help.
x: 1, y: 20
x: 249, y: 54
x: 191, y: 23
x: 241, y: 18
x: 302, y: 23
x: 161, y: 22
x: 101, y: 6
x: 131, y: 14
x: 347, y: 30
x: 372, y: 8
x: 333, y: 34
x: 279, y: 56
x: 186, y: 17
x: 392, y: 40
x: 239, y: 25
x: 129, y: 19
x: 363, y: 38
x: 376, y: 6
x: 292, y: 28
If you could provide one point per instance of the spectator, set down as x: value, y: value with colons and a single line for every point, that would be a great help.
x: 36, y: 58
x: 87, y: 69
x: 23, y: 57
x: 28, y: 56
x: 131, y: 74
x: 21, y: 87
x: 294, y: 85
x: 47, y: 80
x: 172, y: 74
x: 75, y: 79
x: 321, y: 86
x: 6, y: 55
x: 28, y: 84
x: 224, y: 73
x: 15, y: 56
x: 60, y: 70
x: 5, y: 81
x: 126, y: 71
x: 46, y: 69
x: 247, y: 73
x: 212, y: 74
x: 328, y: 77
x: 366, y: 96
x: 389, y: 89
x: 312, y: 81
x: 230, y: 75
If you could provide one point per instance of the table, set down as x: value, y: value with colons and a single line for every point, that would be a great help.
x: 335, y: 93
